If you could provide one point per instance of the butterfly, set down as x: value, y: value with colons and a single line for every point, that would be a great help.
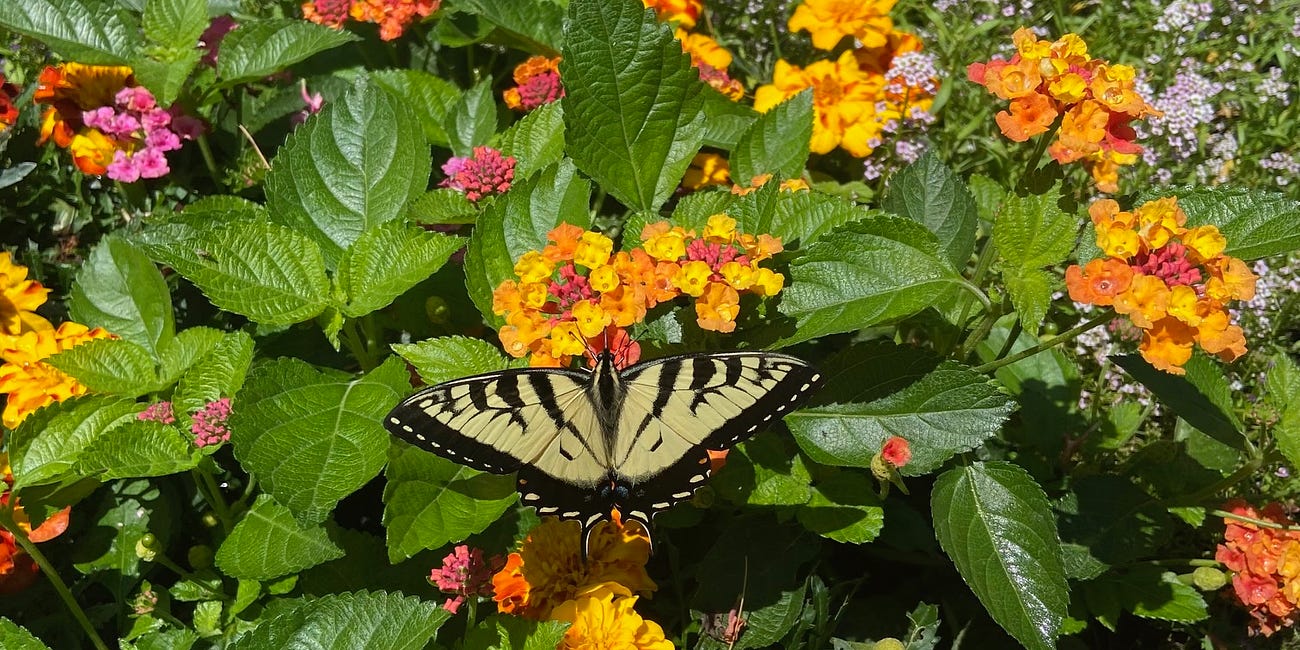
x: 587, y: 442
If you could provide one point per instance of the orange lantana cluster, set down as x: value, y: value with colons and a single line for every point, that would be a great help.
x: 537, y: 84
x: 70, y: 90
x: 1265, y: 562
x: 392, y: 16
x: 17, y: 569
x: 548, y: 579
x: 8, y: 112
x: 1171, y: 281
x: 1095, y: 100
x: 578, y: 292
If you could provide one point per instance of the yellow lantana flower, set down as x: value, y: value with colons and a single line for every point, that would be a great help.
x: 602, y: 622
x: 19, y: 298
x: 593, y: 250
x: 29, y: 382
x: 844, y: 101
x: 829, y: 21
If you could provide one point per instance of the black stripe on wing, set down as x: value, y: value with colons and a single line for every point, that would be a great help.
x: 481, y: 403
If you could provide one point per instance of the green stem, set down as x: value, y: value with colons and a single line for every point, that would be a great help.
x: 1251, y: 520
x: 1016, y: 328
x: 209, y: 160
x: 7, y: 522
x: 1039, y: 150
x: 979, y: 333
x: 211, y: 493
x: 357, y: 345
x: 1067, y: 335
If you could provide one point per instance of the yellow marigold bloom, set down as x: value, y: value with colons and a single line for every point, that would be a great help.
x: 693, y: 278
x: 767, y: 282
x: 599, y: 621
x: 31, y: 384
x: 829, y: 21
x: 534, y: 267
x: 566, y: 339
x: 720, y: 228
x: 548, y: 570
x: 706, y: 169
x: 594, y: 250
x: 703, y: 50
x: 1205, y: 242
x: 591, y: 319
x: 718, y: 308
x: 740, y: 276
x: 604, y: 279
x: 683, y: 13
x: 1167, y: 345
x: 19, y: 298
x: 1146, y: 301
x: 844, y: 101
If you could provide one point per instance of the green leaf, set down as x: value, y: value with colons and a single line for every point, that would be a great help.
x: 1202, y: 397
x: 765, y: 624
x: 451, y: 357
x: 535, y: 26
x: 1282, y: 382
x: 14, y: 637
x: 268, y: 543
x: 949, y: 411
x: 517, y: 222
x: 777, y: 142
x: 504, y: 631
x: 1114, y: 521
x: 844, y: 507
x: 988, y: 197
x: 167, y: 75
x: 363, y: 619
x: 115, y: 522
x: 764, y: 471
x: 137, y: 449
x: 443, y: 206
x: 386, y: 261
x: 92, y: 31
x: 207, y: 618
x: 725, y: 120
x: 313, y: 437
x: 1032, y: 233
x: 48, y: 443
x: 864, y: 273
x: 536, y: 141
x: 219, y: 373
x: 993, y: 520
x: 112, y: 366
x: 355, y: 166
x: 120, y: 290
x: 175, y: 23
x: 184, y: 351
x: 798, y: 218
x: 1257, y: 223
x: 267, y: 272
x: 1147, y: 592
x: 432, y: 98
x: 472, y: 120
x: 264, y: 47
x: 171, y: 639
x: 928, y: 193
x: 633, y: 112
x: 430, y: 501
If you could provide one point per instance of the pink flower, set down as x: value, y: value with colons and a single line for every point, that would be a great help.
x: 463, y: 574
x: 185, y: 126
x: 896, y: 451
x: 211, y: 39
x: 486, y: 172
x: 156, y: 120
x: 123, y: 168
x: 209, y: 426
x: 136, y: 98
x: 152, y: 163
x: 100, y: 118
x: 162, y: 140
x: 158, y: 412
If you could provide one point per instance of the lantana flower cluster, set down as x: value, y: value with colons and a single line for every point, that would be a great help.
x: 1096, y: 102
x: 578, y: 292
x: 537, y: 83
x: 1265, y: 562
x: 883, y: 85
x: 548, y: 579
x: 1173, y: 282
x: 8, y: 111
x: 110, y: 124
x: 392, y: 16
x: 465, y: 574
x: 208, y: 424
x: 17, y: 569
x: 482, y: 174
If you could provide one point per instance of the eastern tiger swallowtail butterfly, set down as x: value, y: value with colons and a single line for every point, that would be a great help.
x: 584, y: 443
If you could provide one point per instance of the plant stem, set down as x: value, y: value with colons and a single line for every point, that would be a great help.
x: 1037, y: 156
x: 212, y: 494
x: 357, y: 345
x: 1067, y: 335
x: 1016, y: 328
x: 1258, y: 522
x: 7, y: 522
x: 209, y: 160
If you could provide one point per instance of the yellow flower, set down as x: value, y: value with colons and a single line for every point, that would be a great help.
x: 534, y: 295
x: 32, y: 384
x: 1118, y: 242
x: 767, y: 282
x: 1167, y: 345
x: 566, y: 339
x: 706, y: 169
x: 704, y: 50
x: 599, y: 621
x: 844, y: 101
x: 720, y: 229
x: 683, y: 13
x: 604, y: 279
x: 593, y: 250
x: 19, y: 298
x: 693, y: 278
x: 1205, y: 241
x: 1146, y: 301
x: 663, y: 243
x: 1183, y: 303
x: 740, y: 276
x: 591, y: 319
x: 829, y: 21
x: 534, y: 267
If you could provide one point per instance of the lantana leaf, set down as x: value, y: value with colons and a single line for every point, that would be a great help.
x: 844, y: 507
x: 121, y: 290
x: 48, y: 443
x: 929, y: 193
x: 268, y: 543
x: 444, y: 358
x: 537, y: 140
x: 1032, y: 233
x: 137, y: 449
x: 110, y: 366
x: 14, y: 637
x: 264, y: 47
x: 362, y: 619
x: 535, y: 26
x: 432, y: 99
x: 87, y: 31
x: 1202, y: 397
x: 776, y: 142
x: 386, y: 261
x: 1256, y: 223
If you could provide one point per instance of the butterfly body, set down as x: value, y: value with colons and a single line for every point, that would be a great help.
x: 586, y: 443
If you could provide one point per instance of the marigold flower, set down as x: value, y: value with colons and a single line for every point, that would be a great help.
x: 703, y: 49
x: 682, y: 13
x: 19, y: 299
x: 844, y: 101
x: 1265, y: 562
x: 829, y: 21
x: 537, y: 84
x: 17, y: 569
x: 600, y: 620
x: 31, y: 384
x: 706, y: 169
x: 548, y: 569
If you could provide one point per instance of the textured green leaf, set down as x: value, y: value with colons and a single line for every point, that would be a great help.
x: 766, y: 470
x: 219, y: 373
x: 184, y: 351
x: 537, y: 140
x: 844, y: 507
x: 386, y: 261
x: 430, y: 501
x: 430, y: 97
x: 633, y: 112
x: 1283, y: 382
x: 47, y: 444
x: 798, y: 218
x: 443, y: 206
x: 112, y: 366
x: 170, y: 639
x: 165, y: 76
x: 1146, y: 592
x: 175, y: 23
x: 993, y: 521
x: 988, y: 197
x: 207, y: 618
x: 535, y: 26
x: 14, y: 637
x: 264, y: 47
x: 1032, y: 233
x: 928, y: 193
x: 472, y: 120
x: 501, y: 631
x: 864, y: 273
x: 777, y: 142
x: 451, y: 357
x: 1257, y: 223
x: 120, y: 290
x: 355, y: 166
x: 264, y: 271
x: 1202, y: 397
x: 1114, y: 521
x: 90, y: 31
x: 137, y: 449
x: 313, y: 437
x: 766, y: 623
x: 363, y: 619
x: 517, y: 223
x: 724, y: 120
x: 951, y: 410
x: 115, y: 521
x: 268, y: 543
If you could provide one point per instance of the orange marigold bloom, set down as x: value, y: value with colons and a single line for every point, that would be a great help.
x: 69, y: 90
x: 31, y: 384
x: 703, y: 49
x: 683, y: 13
x: 600, y: 620
x: 1099, y: 282
x: 706, y: 169
x: 548, y: 568
x: 844, y: 101
x: 829, y: 21
x: 19, y: 298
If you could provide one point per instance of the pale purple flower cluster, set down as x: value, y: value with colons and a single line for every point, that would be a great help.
x: 145, y: 130
x: 913, y: 71
x: 1186, y: 105
x: 209, y: 426
x: 1277, y: 283
x: 1273, y: 87
x: 1183, y: 16
x: 1287, y: 166
x: 1218, y: 166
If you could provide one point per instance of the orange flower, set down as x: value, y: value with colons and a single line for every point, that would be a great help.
x: 683, y: 13
x: 599, y: 620
x: 1099, y: 282
x: 1029, y: 116
x: 1082, y: 130
x: 19, y: 298
x: 392, y: 16
x: 718, y: 308
x: 706, y: 169
x: 1146, y: 301
x: 844, y: 101
x: 32, y: 384
x: 829, y: 21
x: 1167, y: 344
x: 1265, y: 562
x: 703, y: 50
x: 565, y: 242
x: 548, y: 568
x: 71, y: 89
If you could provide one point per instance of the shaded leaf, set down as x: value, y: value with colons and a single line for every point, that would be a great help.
x: 844, y: 507
x: 1202, y: 396
x: 386, y: 261
x: 777, y: 142
x: 363, y: 619
x: 91, y: 31
x: 263, y: 47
